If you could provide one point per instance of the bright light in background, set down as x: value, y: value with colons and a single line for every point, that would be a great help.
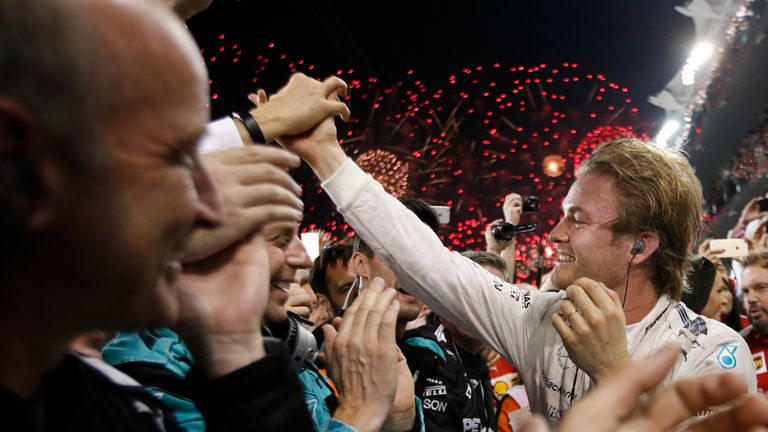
x: 670, y: 127
x: 553, y: 165
x: 311, y: 241
x: 699, y: 55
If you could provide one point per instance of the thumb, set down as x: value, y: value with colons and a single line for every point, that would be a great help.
x: 329, y: 336
x: 259, y: 98
x: 334, y: 96
x: 535, y: 424
x: 336, y: 323
x: 612, y: 294
x: 262, y: 98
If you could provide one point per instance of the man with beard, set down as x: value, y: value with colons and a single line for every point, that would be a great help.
x: 331, y: 276
x: 754, y: 288
x: 622, y: 256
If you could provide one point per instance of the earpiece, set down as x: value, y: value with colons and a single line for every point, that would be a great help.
x: 638, y: 247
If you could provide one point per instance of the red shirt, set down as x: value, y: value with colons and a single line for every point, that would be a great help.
x: 758, y: 345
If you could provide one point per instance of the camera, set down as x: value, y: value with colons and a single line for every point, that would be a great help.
x: 302, y: 344
x: 530, y: 203
x: 507, y: 231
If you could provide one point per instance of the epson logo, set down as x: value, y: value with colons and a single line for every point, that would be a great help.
x: 433, y: 405
x: 435, y: 391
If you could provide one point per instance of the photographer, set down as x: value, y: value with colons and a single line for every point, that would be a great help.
x: 500, y: 234
x: 504, y: 245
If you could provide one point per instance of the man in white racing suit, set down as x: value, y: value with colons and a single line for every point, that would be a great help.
x: 622, y: 255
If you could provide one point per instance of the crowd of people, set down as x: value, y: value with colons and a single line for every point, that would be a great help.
x: 748, y: 163
x: 154, y: 279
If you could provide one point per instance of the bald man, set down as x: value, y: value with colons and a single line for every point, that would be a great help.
x: 100, y: 188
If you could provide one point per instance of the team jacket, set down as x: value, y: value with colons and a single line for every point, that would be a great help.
x: 84, y: 394
x: 161, y: 361
x: 454, y: 386
x: 514, y: 322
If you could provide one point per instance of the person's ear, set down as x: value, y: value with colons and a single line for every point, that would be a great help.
x: 644, y: 246
x: 25, y: 170
x: 324, y: 302
x: 361, y: 265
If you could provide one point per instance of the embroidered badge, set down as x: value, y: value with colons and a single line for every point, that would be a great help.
x: 726, y: 358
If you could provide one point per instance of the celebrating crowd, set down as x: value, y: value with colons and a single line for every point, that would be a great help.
x: 153, y: 278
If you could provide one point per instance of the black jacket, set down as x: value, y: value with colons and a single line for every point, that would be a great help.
x: 84, y: 395
x: 454, y: 386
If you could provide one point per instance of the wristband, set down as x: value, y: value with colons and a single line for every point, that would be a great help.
x: 254, y: 131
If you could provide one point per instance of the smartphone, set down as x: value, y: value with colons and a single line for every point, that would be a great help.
x: 763, y: 204
x: 732, y: 248
x: 443, y: 214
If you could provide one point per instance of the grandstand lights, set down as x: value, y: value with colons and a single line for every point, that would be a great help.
x: 670, y: 127
x: 700, y: 53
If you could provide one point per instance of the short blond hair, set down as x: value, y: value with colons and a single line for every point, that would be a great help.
x: 658, y: 192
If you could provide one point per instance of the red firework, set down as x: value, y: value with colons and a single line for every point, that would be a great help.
x: 465, y: 142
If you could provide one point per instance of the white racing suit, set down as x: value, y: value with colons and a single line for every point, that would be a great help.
x: 514, y: 322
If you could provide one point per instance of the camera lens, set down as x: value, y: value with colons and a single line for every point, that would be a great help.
x: 504, y: 232
x: 530, y: 203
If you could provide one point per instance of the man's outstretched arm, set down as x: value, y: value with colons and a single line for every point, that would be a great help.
x: 455, y: 287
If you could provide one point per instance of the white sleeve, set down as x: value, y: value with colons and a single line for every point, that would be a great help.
x: 220, y: 135
x: 495, y: 312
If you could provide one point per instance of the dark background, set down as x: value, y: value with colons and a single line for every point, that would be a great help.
x: 638, y: 43
x: 410, y: 63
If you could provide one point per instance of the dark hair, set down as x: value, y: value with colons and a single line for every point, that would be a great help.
x: 423, y: 211
x: 339, y: 252
x: 733, y: 319
x: 699, y: 283
x: 488, y: 259
x: 419, y: 207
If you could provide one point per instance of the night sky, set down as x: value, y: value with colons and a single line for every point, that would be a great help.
x: 638, y: 43
x: 458, y: 104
